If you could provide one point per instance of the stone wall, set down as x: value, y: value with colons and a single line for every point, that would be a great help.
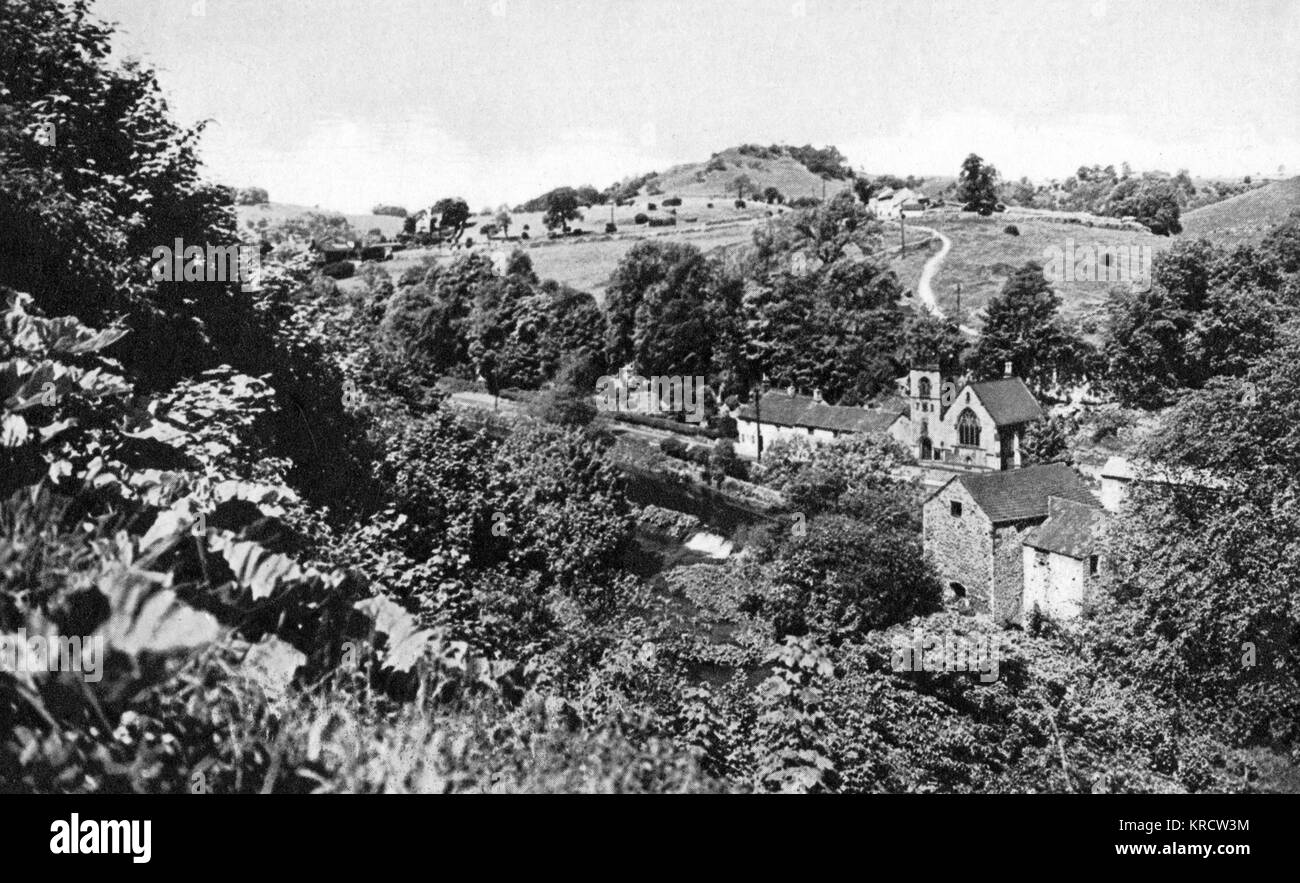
x: 1009, y: 569
x: 961, y: 547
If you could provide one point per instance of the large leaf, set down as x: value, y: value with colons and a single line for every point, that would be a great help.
x: 406, y: 640
x: 147, y: 617
x: 255, y: 568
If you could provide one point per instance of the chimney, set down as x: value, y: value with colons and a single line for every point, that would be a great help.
x: 1006, y: 371
x: 817, y: 395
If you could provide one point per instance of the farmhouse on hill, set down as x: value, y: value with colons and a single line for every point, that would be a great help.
x: 977, y: 526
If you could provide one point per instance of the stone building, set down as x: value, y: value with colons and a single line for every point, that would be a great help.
x: 971, y: 425
x: 785, y: 416
x: 975, y: 526
x: 1063, y: 558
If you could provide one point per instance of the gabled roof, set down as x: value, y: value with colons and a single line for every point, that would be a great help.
x: 1071, y: 529
x: 1021, y: 494
x: 1007, y: 400
x: 783, y: 409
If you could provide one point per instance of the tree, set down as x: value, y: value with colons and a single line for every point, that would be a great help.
x: 562, y: 206
x: 977, y: 184
x: 452, y: 214
x: 1153, y: 201
x: 395, y: 211
x: 503, y: 221
x: 848, y: 577
x: 929, y: 340
x: 772, y: 195
x: 1022, y: 327
x: 657, y: 304
x: 743, y: 184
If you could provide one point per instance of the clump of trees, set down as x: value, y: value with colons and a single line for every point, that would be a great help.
x: 251, y: 196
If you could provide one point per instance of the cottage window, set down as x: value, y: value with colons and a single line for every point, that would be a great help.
x: 1040, y: 557
x: 955, y: 508
x: 1094, y: 563
x: 968, y: 428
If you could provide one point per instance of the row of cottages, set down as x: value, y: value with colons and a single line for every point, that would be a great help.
x: 969, y: 425
x: 976, y: 426
x: 783, y: 416
x: 1004, y: 542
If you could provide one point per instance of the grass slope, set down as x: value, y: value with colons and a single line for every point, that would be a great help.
x: 1246, y: 217
x: 275, y: 212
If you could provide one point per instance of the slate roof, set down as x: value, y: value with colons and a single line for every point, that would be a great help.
x: 1071, y: 529
x: 1007, y: 400
x: 783, y: 409
x: 1020, y: 494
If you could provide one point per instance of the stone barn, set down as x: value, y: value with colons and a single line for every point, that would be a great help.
x: 975, y: 526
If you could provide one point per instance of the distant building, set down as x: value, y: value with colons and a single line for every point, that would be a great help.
x: 1120, y: 474
x: 903, y: 203
x: 785, y: 415
x: 975, y: 527
x: 978, y: 426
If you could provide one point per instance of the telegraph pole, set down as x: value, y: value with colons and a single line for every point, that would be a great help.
x: 902, y: 233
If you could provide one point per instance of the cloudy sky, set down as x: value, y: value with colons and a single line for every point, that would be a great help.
x: 346, y: 103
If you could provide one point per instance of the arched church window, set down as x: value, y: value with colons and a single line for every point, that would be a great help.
x: 968, y: 428
x: 923, y: 387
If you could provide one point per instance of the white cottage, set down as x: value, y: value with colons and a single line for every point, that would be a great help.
x: 1063, y: 558
x: 784, y: 416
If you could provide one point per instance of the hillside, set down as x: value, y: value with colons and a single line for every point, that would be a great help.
x: 714, y: 177
x: 276, y: 212
x: 1246, y: 217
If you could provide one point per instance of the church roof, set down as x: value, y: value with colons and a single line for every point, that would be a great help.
x: 1072, y: 529
x: 1007, y: 400
x: 784, y: 409
x: 1021, y: 494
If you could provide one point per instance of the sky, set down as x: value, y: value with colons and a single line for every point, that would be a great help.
x: 349, y: 103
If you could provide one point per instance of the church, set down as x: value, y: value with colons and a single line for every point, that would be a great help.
x: 977, y: 426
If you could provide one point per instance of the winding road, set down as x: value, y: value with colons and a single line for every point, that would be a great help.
x: 929, y: 271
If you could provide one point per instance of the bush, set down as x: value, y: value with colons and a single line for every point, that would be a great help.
x: 804, y: 202
x: 641, y: 218
x: 673, y: 447
x: 610, y: 227
x: 339, y: 270
x: 1011, y: 230
x: 673, y: 200
x: 740, y: 203
x: 650, y: 206
x: 710, y: 205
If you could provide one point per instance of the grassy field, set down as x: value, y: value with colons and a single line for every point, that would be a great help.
x: 586, y: 264
x: 1247, y: 217
x: 983, y: 257
x: 276, y: 212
